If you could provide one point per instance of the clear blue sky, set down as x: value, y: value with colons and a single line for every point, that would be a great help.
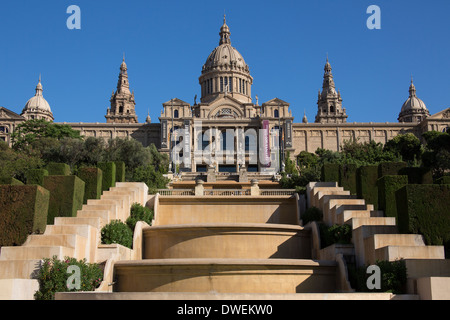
x: 166, y: 43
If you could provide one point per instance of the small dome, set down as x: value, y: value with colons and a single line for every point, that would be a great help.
x: 414, y: 109
x: 37, y: 103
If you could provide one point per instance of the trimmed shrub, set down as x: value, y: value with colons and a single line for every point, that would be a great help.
x: 424, y: 209
x: 387, y: 186
x: 36, y: 176
x: 66, y: 196
x: 312, y: 214
x: 92, y: 178
x: 58, y: 169
x: 120, y: 171
x: 139, y: 213
x: 117, y: 232
x: 347, y: 177
x: 23, y: 211
x: 109, y: 174
x: 366, y: 183
x: 390, y: 168
x: 417, y: 175
x: 330, y: 172
x: 53, y: 276
x: 393, y: 277
x: 335, y: 234
x: 10, y: 181
x: 443, y: 180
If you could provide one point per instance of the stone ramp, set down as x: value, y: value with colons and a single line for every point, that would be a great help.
x: 77, y: 237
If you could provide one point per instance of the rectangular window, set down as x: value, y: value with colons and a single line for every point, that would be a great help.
x: 240, y: 85
x: 221, y: 84
x: 231, y: 84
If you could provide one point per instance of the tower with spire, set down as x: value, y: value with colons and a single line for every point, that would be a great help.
x: 329, y: 101
x: 414, y: 109
x: 122, y: 101
x: 37, y: 107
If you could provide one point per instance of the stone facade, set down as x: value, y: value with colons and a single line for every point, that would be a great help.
x: 235, y: 131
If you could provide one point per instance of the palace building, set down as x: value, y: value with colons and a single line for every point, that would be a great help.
x: 228, y: 129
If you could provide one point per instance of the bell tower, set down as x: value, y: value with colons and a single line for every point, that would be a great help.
x: 329, y: 101
x: 122, y: 101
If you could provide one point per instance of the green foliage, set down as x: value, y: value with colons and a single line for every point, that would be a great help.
x: 120, y: 171
x: 58, y: 169
x: 366, y: 183
x: 92, y: 178
x: 152, y: 178
x: 335, y: 234
x: 312, y: 214
x: 307, y: 160
x: 437, y: 152
x: 53, y: 276
x: 387, y: 186
x: 289, y: 164
x: 139, y: 213
x: 11, y: 181
x: 393, y: 277
x: 407, y: 146
x: 66, y: 196
x: 29, y: 131
x: 330, y: 172
x: 108, y: 174
x: 15, y: 164
x: 347, y: 177
x: 23, y: 211
x: 417, y: 175
x: 366, y: 153
x: 36, y: 176
x: 423, y: 209
x: 390, y: 168
x: 117, y: 232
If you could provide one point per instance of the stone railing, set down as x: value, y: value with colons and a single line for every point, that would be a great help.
x: 199, y: 190
x: 226, y: 192
x: 176, y: 192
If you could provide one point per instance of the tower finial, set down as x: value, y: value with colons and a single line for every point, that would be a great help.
x: 123, y: 57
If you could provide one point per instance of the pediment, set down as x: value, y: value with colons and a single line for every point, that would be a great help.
x: 176, y: 102
x: 10, y: 115
x: 226, y: 108
x: 275, y: 101
x: 442, y: 115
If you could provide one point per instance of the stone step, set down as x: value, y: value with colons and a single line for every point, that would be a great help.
x: 90, y: 233
x: 331, y: 205
x: 20, y: 269
x: 122, y: 205
x: 18, y: 289
x: 95, y: 222
x: 32, y: 253
x: 74, y: 241
x: 105, y: 216
x: 104, y: 207
x: 318, y: 193
x: 383, y: 240
x: 374, y: 221
x: 392, y: 253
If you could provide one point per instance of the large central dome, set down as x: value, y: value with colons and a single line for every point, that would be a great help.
x: 225, y: 71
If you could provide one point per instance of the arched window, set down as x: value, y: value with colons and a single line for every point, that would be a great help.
x: 276, y: 113
x: 332, y: 108
x: 175, y: 114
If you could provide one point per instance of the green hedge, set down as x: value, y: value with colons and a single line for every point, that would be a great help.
x: 443, y: 180
x: 58, y: 169
x: 330, y: 172
x: 390, y: 168
x: 36, y: 176
x: 347, y: 177
x: 120, y: 171
x: 417, y: 175
x: 366, y: 182
x: 10, y: 181
x: 109, y: 174
x: 424, y: 209
x: 23, y: 211
x: 92, y: 178
x: 387, y: 186
x: 66, y: 196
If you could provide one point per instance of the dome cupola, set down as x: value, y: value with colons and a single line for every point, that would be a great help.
x: 225, y: 71
x: 414, y: 109
x: 37, y: 107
